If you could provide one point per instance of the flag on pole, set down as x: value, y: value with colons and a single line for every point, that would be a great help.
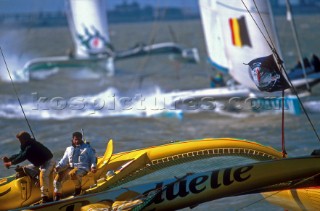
x: 266, y: 74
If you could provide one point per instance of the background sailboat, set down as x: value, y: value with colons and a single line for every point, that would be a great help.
x: 92, y: 44
x: 300, y: 194
x: 233, y: 36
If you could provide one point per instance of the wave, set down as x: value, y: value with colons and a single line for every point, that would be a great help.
x: 104, y: 104
x: 110, y: 103
x: 312, y: 106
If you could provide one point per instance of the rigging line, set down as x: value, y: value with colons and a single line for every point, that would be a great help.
x: 152, y: 36
x: 304, y: 180
x: 272, y: 47
x: 300, y: 102
x: 16, y: 93
x: 256, y: 24
x: 276, y: 192
x: 296, y: 39
x: 264, y: 23
x: 157, y: 192
x: 149, y: 195
x: 258, y: 201
x: 279, y: 61
x: 284, y: 153
x: 293, y: 89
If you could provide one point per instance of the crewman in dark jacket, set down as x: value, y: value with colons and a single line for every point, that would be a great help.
x: 39, y: 155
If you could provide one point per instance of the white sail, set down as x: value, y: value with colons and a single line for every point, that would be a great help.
x: 87, y: 21
x: 213, y: 34
x: 239, y: 36
x: 88, y: 24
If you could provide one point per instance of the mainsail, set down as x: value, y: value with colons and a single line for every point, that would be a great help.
x: 90, y: 31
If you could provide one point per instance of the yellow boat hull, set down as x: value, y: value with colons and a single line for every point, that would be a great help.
x: 197, y: 188
x: 295, y: 199
x: 22, y: 192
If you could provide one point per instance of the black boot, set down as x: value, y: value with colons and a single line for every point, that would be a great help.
x: 45, y: 199
x: 57, y: 197
x: 77, y: 192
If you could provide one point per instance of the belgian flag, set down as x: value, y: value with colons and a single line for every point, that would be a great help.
x: 239, y: 32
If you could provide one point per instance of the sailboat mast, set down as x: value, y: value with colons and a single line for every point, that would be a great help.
x: 296, y: 40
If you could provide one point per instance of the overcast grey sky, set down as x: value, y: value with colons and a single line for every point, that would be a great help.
x: 26, y: 6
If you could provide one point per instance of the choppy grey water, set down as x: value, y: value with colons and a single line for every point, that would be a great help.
x: 146, y: 76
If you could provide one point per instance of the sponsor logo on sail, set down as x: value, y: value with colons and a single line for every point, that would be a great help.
x: 92, y: 40
x: 239, y: 32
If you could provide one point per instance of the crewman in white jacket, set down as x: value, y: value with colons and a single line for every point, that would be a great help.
x: 77, y: 161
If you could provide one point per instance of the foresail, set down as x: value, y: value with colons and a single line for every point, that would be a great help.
x: 242, y: 38
x: 89, y: 31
